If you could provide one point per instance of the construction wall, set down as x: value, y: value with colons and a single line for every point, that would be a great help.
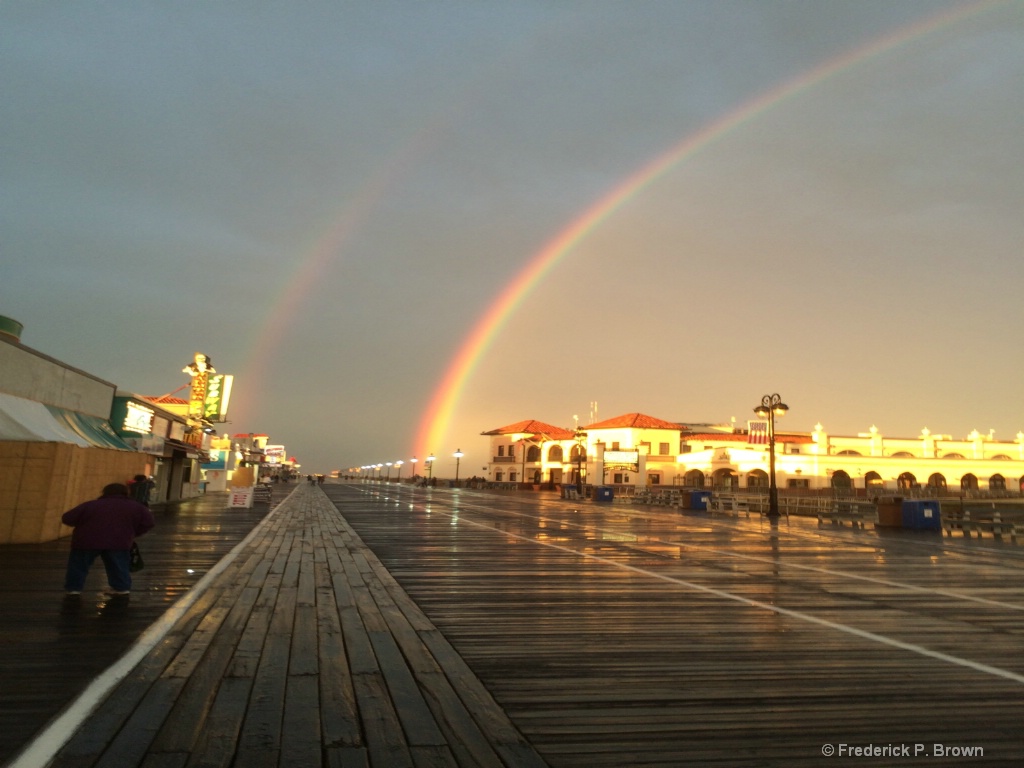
x: 41, y: 481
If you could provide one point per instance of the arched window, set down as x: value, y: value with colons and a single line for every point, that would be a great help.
x: 906, y: 481
x: 873, y: 480
x: 536, y: 476
x: 903, y: 455
x: 533, y: 453
x: 725, y: 479
x: 968, y: 483
x: 848, y: 453
x: 555, y: 453
x: 578, y: 453
x: 695, y: 479
x: 757, y: 478
x: 953, y: 456
x: 937, y: 482
x: 499, y: 476
x: 841, y: 480
x: 997, y: 483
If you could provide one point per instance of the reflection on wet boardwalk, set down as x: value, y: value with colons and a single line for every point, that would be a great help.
x: 386, y: 625
x: 616, y: 634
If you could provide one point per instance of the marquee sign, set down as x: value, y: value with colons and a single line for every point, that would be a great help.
x: 623, y: 459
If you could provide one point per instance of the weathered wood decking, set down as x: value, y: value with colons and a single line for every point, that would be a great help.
x: 626, y: 635
x: 303, y: 652
x: 446, y: 627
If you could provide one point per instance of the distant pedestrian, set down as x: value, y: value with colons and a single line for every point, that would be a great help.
x: 141, y: 487
x: 106, y: 528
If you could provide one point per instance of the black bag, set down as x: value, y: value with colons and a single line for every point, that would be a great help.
x: 136, y: 559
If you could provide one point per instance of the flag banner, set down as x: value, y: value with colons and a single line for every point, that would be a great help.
x: 757, y: 432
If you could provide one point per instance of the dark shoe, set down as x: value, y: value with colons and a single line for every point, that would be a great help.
x: 117, y: 592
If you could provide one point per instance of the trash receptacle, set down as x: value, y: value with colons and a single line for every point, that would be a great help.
x: 699, y: 499
x: 921, y: 515
x: 603, y: 493
x: 890, y: 511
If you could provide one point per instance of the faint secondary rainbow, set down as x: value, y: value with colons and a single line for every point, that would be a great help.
x: 434, y: 425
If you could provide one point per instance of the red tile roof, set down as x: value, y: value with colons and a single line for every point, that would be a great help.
x: 535, y: 428
x: 634, y: 421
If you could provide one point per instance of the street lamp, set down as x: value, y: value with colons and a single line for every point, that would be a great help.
x: 379, y: 468
x: 412, y: 471
x: 458, y: 457
x: 770, y: 407
x: 581, y: 437
x: 398, y: 477
x: 387, y: 477
x: 430, y: 467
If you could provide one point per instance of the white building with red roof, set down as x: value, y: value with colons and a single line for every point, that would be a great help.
x: 637, y: 450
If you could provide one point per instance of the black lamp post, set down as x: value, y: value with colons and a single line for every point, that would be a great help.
x: 458, y: 457
x: 770, y: 407
x: 581, y: 438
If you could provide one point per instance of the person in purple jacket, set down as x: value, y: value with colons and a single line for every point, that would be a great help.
x: 106, y: 528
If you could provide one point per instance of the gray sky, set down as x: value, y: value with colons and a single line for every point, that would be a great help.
x: 327, y: 197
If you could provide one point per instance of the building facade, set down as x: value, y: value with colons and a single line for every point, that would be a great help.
x: 636, y: 451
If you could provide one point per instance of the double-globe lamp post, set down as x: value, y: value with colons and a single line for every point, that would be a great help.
x: 770, y: 407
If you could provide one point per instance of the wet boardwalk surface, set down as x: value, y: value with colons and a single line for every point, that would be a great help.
x: 632, y: 635
x: 52, y: 647
x: 384, y: 625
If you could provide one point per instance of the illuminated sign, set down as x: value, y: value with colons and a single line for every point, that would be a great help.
x: 622, y: 460
x: 197, y: 395
x: 218, y: 393
x: 138, y: 418
x: 621, y: 457
x: 274, y: 454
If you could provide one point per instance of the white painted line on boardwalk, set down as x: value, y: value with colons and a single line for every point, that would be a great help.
x: 862, y: 633
x: 767, y: 560
x: 45, y: 746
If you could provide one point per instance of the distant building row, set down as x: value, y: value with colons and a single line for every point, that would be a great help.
x: 65, y: 433
x: 639, y: 450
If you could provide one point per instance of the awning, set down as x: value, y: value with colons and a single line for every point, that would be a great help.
x: 95, y: 430
x: 27, y: 420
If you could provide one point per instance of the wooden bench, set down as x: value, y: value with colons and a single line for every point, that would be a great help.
x: 976, y: 521
x: 837, y: 511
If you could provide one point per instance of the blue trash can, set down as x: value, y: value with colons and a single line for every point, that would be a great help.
x: 699, y: 499
x: 603, y: 493
x: 921, y: 515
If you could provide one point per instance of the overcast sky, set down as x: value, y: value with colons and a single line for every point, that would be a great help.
x: 327, y: 197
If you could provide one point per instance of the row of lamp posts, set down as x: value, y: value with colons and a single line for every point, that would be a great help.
x: 429, y: 462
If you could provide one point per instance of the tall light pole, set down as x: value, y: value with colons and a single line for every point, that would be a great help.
x: 770, y: 407
x: 412, y: 471
x: 398, y: 477
x: 387, y: 477
x: 458, y: 457
x: 581, y: 438
x: 430, y: 467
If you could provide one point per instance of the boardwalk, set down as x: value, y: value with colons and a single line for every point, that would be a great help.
x: 629, y: 635
x: 383, y: 625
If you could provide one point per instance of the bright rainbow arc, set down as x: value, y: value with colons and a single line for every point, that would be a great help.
x: 434, y: 426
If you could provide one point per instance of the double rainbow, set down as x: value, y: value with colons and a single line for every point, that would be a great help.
x: 434, y: 426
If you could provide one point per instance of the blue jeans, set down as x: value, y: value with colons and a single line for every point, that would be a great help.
x: 116, y: 562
